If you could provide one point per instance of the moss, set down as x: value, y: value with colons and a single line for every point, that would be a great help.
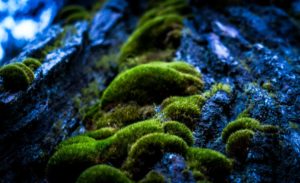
x: 212, y: 163
x: 238, y: 144
x: 239, y: 124
x: 69, y: 161
x: 125, y: 137
x: 150, y: 149
x: 151, y: 83
x: 180, y: 130
x: 179, y: 9
x: 245, y: 113
x: 102, y: 133
x: 217, y: 87
x: 269, y: 129
x: 184, y: 109
x: 103, y: 173
x: 16, y: 76
x: 153, y: 177
x: 123, y: 115
x: 199, y: 176
x: 32, y: 63
x: 156, y: 33
x: 75, y: 140
x: 166, y: 3
x: 74, y: 13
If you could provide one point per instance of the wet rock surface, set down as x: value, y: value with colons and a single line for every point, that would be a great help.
x: 253, y: 48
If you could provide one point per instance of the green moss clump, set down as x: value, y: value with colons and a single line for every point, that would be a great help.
x: 152, y: 36
x: 32, y: 63
x: 102, y: 133
x: 103, y: 173
x: 238, y: 144
x: 16, y: 76
x: 75, y: 140
x: 217, y: 87
x: 125, y: 137
x: 123, y: 115
x: 153, y: 177
x: 269, y: 129
x: 184, y: 109
x: 239, y: 124
x: 212, y: 163
x: 150, y: 149
x: 180, y: 130
x: 74, y: 13
x: 69, y: 161
x: 151, y: 83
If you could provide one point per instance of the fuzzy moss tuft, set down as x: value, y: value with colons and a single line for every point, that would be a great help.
x: 154, y: 35
x: 69, y: 161
x: 184, y: 109
x: 103, y: 173
x: 153, y: 177
x: 212, y: 163
x: 75, y: 140
x: 102, y: 133
x: 180, y: 130
x: 150, y: 149
x: 239, y: 124
x: 151, y: 83
x: 217, y: 87
x: 16, y: 76
x: 123, y: 115
x: 32, y: 63
x: 238, y: 144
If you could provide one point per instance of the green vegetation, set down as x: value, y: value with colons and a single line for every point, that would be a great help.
x: 238, y: 144
x: 153, y: 177
x: 239, y: 124
x: 73, y: 13
x: 103, y: 173
x: 69, y: 161
x: 16, y: 76
x: 32, y: 63
x: 151, y: 83
x: 101, y: 133
x: 217, y: 87
x: 212, y: 163
x: 75, y: 140
x: 123, y: 115
x: 184, y: 109
x: 150, y: 149
x: 160, y: 33
x: 180, y: 130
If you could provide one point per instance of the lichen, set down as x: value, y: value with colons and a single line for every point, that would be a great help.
x: 184, y: 109
x: 151, y: 83
x: 149, y: 149
x: 103, y: 173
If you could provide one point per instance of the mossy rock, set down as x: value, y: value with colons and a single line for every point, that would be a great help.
x: 101, y: 133
x: 103, y: 173
x: 238, y: 144
x: 75, y: 140
x: 184, y: 109
x: 153, y: 177
x: 180, y: 130
x: 70, y: 161
x: 239, y: 124
x: 16, y: 76
x: 151, y: 83
x: 212, y: 163
x: 32, y: 63
x: 148, y: 150
x: 216, y: 88
x: 152, y: 36
x: 123, y: 115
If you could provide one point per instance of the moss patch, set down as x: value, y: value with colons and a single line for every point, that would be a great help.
x: 16, y: 76
x: 150, y: 149
x: 239, y: 124
x: 103, y: 173
x: 184, y: 109
x: 101, y: 133
x: 180, y: 130
x: 238, y: 144
x: 217, y: 87
x: 151, y: 83
x: 212, y: 163
x: 32, y: 63
x: 153, y: 177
